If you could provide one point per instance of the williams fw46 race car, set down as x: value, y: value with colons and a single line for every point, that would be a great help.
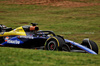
x: 30, y: 37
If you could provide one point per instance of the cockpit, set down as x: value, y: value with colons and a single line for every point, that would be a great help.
x: 28, y: 28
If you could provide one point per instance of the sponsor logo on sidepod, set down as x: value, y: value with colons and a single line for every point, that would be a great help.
x: 13, y: 41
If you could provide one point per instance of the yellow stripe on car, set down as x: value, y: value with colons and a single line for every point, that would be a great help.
x: 17, y: 31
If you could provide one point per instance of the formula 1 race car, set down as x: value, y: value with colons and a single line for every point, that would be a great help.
x: 33, y: 38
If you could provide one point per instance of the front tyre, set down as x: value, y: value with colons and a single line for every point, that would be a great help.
x: 91, y: 45
x: 52, y: 45
x: 56, y: 43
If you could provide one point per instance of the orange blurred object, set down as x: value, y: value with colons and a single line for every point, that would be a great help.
x: 6, y: 39
x: 32, y: 28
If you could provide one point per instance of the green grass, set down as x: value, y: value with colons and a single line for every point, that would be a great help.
x: 24, y: 57
x: 72, y: 23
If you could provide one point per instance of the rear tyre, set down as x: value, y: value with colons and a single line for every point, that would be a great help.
x: 90, y: 44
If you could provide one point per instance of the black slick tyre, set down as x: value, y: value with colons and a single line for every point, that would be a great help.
x: 90, y: 44
x: 56, y: 43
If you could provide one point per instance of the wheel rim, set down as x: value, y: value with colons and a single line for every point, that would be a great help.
x: 51, y: 45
